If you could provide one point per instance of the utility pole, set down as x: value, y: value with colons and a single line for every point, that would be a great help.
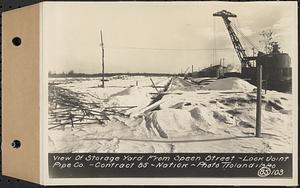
x: 258, y: 99
x: 192, y: 68
x: 253, y: 54
x: 102, y: 59
x: 223, y: 65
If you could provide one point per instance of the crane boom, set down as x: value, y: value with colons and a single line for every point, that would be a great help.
x: 241, y: 52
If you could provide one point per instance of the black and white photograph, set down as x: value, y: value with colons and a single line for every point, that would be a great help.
x: 149, y: 93
x: 171, y: 77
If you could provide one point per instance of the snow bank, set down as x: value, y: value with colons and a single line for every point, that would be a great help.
x: 232, y: 83
x: 169, y: 123
x: 133, y: 96
x: 191, y: 121
x: 175, y: 123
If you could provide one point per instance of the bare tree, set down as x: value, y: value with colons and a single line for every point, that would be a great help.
x: 267, y: 40
x: 71, y: 72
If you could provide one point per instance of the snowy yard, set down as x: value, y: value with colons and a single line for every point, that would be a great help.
x: 211, y: 116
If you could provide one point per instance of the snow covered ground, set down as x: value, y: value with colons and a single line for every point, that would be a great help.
x: 218, y: 116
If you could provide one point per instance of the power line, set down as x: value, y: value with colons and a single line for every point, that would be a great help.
x: 167, y: 49
x: 244, y: 36
x: 214, y: 36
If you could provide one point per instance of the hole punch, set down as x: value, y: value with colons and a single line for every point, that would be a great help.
x: 16, y: 144
x: 17, y: 41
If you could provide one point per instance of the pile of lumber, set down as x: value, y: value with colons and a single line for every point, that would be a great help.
x: 69, y: 108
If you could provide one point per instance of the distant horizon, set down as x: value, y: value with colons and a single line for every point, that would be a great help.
x: 114, y: 73
x: 68, y: 72
x: 100, y: 73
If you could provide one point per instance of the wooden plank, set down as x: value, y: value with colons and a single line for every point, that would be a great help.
x: 166, y: 93
x: 229, y: 92
x: 154, y: 86
x: 149, y: 108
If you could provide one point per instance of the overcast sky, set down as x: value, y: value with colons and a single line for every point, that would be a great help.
x: 170, y: 36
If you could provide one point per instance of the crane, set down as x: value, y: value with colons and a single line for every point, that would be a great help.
x: 241, y: 52
x: 276, y: 66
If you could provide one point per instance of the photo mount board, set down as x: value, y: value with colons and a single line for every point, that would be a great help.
x: 29, y: 105
x: 20, y: 93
